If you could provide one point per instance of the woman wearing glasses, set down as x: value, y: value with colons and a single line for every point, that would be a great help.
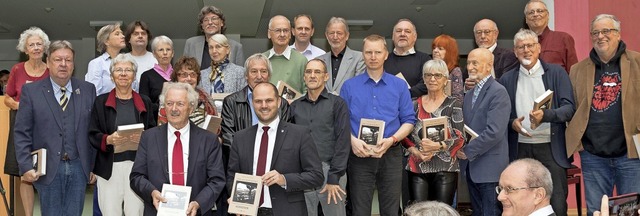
x: 188, y: 71
x: 152, y: 81
x: 116, y: 152
x: 33, y: 42
x: 445, y: 48
x: 433, y: 166
x: 223, y: 76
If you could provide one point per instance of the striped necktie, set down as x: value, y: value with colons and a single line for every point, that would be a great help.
x: 63, y: 99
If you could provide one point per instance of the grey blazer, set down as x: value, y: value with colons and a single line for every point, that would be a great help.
x: 352, y: 64
x: 195, y: 46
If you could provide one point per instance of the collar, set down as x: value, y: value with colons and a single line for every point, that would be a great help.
x: 286, y: 53
x: 308, y: 49
x: 493, y: 47
x: 382, y: 80
x: 544, y: 211
x: 535, y: 71
x: 137, y: 101
x: 56, y: 87
x: 105, y: 56
x: 482, y: 82
x: 323, y: 94
x: 273, y: 125
x: 183, y: 130
x: 408, y: 52
x: 544, y: 34
x: 339, y: 54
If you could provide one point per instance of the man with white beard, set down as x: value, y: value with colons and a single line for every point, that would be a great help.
x: 546, y: 142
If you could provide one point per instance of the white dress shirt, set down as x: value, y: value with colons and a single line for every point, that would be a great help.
x: 286, y: 53
x: 311, y: 52
x: 171, y: 140
x: 273, y: 129
x: 546, y: 211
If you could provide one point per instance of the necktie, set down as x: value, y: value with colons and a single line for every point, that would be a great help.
x: 177, y: 172
x: 63, y: 99
x: 262, y: 156
x: 476, y: 92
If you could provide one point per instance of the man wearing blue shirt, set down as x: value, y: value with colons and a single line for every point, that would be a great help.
x: 381, y: 96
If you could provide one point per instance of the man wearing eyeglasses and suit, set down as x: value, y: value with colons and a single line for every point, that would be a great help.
x: 342, y: 62
x: 287, y: 66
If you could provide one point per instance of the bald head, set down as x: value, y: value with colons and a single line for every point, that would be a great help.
x: 486, y: 33
x: 279, y: 31
x: 480, y: 63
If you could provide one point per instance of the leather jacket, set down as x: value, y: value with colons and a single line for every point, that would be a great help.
x: 236, y: 114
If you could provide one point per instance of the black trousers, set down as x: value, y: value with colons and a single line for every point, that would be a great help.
x: 542, y: 153
x: 440, y: 186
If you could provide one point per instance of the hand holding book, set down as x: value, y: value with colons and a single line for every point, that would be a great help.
x: 536, y: 118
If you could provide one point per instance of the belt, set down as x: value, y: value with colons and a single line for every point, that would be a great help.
x: 65, y: 157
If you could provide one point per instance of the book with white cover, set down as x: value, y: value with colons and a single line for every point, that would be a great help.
x: 39, y: 158
x: 287, y: 92
x: 436, y: 129
x: 212, y: 124
x: 177, y: 197
x: 399, y: 75
x: 245, y: 195
x: 371, y: 131
x: 541, y: 103
x: 636, y: 141
x: 132, y: 135
x: 469, y: 133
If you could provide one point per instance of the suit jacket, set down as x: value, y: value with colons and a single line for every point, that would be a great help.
x: 582, y: 77
x: 294, y: 155
x: 352, y: 64
x: 488, y: 154
x: 562, y: 109
x: 39, y: 125
x: 205, y: 172
x: 504, y: 60
x: 194, y: 47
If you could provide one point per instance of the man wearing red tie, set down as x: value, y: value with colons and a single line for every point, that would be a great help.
x: 178, y: 153
x: 284, y: 154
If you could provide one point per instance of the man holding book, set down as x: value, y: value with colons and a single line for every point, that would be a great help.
x: 378, y: 95
x: 328, y: 115
x: 539, y: 133
x: 178, y: 153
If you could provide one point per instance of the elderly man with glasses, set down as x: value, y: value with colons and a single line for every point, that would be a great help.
x: 539, y: 133
x: 606, y: 118
x: 287, y: 66
x: 525, y: 188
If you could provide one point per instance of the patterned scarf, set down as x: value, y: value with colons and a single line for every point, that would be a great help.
x: 217, y: 77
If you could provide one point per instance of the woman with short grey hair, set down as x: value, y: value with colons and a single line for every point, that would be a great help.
x: 33, y: 42
x: 152, y: 80
x: 116, y: 152
x: 110, y: 40
x: 223, y: 76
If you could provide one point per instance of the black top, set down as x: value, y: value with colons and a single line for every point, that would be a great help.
x: 328, y: 117
x: 411, y: 68
x: 335, y: 64
x: 151, y: 84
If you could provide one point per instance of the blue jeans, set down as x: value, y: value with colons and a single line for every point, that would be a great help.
x: 601, y: 174
x: 484, y: 199
x: 65, y: 194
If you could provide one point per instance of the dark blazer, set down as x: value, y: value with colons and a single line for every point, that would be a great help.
x: 205, y: 172
x: 103, y: 124
x: 488, y: 154
x: 294, y: 155
x: 555, y: 78
x: 194, y: 47
x: 151, y: 84
x: 39, y: 121
x: 352, y: 65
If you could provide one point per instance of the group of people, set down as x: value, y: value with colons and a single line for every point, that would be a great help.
x: 308, y: 151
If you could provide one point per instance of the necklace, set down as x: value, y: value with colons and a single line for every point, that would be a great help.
x: 123, y: 101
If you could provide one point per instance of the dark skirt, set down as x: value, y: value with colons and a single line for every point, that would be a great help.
x: 10, y: 161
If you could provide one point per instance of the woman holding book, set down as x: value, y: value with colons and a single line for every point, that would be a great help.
x: 115, y: 152
x: 445, y: 48
x: 223, y: 76
x: 432, y: 166
x: 188, y: 71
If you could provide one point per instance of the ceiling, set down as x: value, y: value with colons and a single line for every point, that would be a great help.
x: 70, y: 19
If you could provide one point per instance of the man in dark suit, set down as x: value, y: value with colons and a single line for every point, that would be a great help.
x: 54, y: 114
x: 486, y: 36
x: 283, y: 154
x: 212, y: 21
x: 525, y: 189
x: 178, y: 153
x: 342, y: 62
x: 546, y: 140
x: 483, y: 159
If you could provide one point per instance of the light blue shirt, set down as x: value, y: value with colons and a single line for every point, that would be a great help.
x: 254, y: 117
x: 99, y: 74
x: 56, y: 90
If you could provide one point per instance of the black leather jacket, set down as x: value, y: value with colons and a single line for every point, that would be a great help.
x: 236, y: 114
